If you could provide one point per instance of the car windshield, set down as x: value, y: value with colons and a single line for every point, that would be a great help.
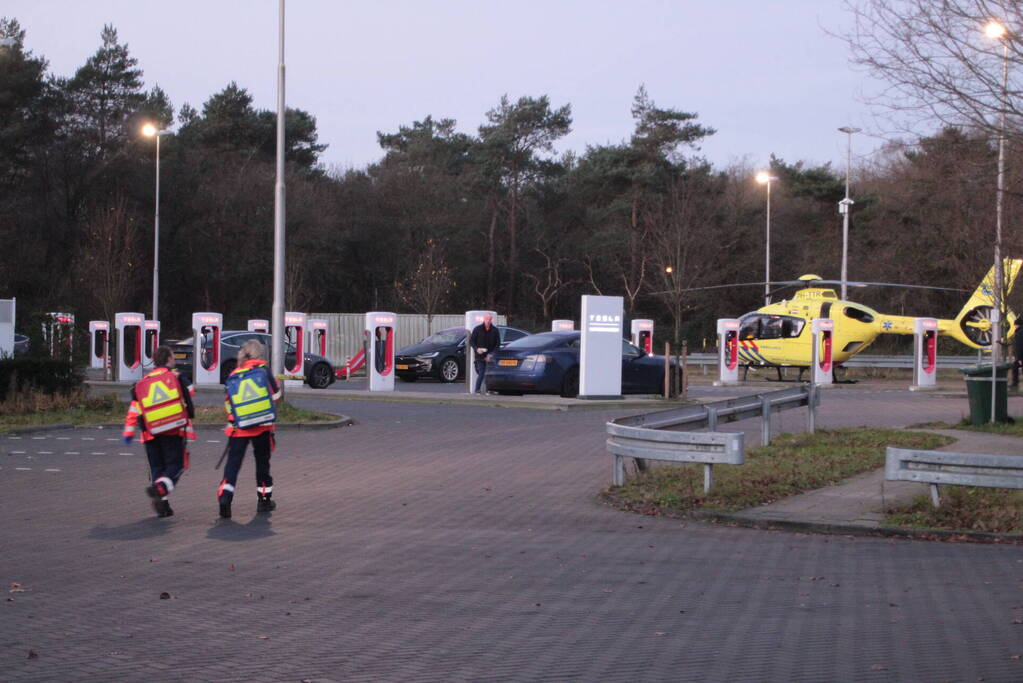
x: 452, y: 335
x: 535, y: 341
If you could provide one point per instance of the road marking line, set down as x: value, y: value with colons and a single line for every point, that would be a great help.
x: 44, y: 452
x: 71, y: 453
x: 53, y: 470
x: 212, y: 440
x: 88, y: 438
x: 97, y: 453
x: 23, y: 469
x: 38, y: 437
x: 17, y: 452
x: 14, y: 437
x: 126, y: 454
x: 113, y: 439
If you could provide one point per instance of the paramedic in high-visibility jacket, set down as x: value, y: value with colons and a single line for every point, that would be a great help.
x: 251, y: 395
x: 161, y: 406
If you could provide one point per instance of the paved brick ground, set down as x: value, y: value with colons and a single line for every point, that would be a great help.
x: 443, y: 543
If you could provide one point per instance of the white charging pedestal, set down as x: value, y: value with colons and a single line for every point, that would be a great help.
x: 206, y: 329
x: 925, y: 354
x: 728, y: 352
x: 128, y: 327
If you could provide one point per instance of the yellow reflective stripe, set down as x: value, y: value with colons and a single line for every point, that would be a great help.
x: 254, y: 407
x: 166, y: 411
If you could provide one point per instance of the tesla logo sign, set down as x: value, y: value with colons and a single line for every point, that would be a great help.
x: 599, y: 322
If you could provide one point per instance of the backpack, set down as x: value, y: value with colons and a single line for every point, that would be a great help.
x: 248, y: 395
x: 161, y: 399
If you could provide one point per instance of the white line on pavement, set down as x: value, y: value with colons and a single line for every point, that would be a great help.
x: 71, y: 453
x: 23, y: 469
x: 45, y: 452
x: 63, y: 438
x: 88, y: 438
x: 52, y: 469
x: 38, y: 437
x: 97, y: 453
x: 17, y: 452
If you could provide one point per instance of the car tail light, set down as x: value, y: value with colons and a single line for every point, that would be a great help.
x: 530, y: 363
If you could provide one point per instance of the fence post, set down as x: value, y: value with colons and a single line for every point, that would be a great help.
x: 684, y: 370
x: 765, y: 420
x: 935, y: 496
x: 708, y: 477
x: 667, y: 370
x: 712, y: 419
x: 618, y: 470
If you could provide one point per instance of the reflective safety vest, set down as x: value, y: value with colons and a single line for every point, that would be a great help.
x: 248, y: 395
x: 163, y: 406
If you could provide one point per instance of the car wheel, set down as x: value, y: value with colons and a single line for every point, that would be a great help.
x: 319, y: 376
x: 226, y: 369
x: 570, y: 383
x: 408, y: 378
x: 448, y: 370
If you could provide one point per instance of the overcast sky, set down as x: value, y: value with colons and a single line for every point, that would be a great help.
x: 765, y: 74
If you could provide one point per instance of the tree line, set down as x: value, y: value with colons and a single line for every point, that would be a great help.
x: 448, y: 220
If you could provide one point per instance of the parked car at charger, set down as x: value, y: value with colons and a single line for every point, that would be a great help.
x: 442, y: 354
x: 20, y: 344
x: 548, y: 363
x: 318, y: 371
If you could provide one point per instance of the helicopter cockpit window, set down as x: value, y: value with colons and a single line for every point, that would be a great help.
x: 762, y: 326
x: 858, y: 314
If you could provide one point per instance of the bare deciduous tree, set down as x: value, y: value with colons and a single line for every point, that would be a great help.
x: 427, y: 287
x: 109, y: 261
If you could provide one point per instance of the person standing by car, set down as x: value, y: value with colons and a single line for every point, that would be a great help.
x: 161, y: 404
x: 484, y: 339
x: 251, y: 393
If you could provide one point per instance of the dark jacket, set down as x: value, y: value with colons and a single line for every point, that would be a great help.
x: 483, y: 338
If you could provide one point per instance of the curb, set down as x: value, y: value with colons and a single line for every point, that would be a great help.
x: 342, y: 421
x: 758, y: 522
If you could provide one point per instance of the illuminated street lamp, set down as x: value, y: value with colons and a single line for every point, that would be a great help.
x: 845, y: 206
x: 765, y: 178
x: 997, y: 31
x: 151, y: 131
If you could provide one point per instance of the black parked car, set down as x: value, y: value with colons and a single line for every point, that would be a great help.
x: 442, y: 354
x: 318, y: 371
x: 548, y: 363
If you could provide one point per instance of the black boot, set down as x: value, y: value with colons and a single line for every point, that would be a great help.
x: 163, y: 508
x: 225, y: 509
x: 265, y: 504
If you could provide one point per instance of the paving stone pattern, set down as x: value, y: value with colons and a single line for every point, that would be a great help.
x: 445, y: 543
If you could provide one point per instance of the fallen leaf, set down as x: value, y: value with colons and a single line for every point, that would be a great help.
x: 660, y: 633
x: 878, y: 667
x: 264, y: 637
x: 165, y: 595
x: 231, y: 568
x: 32, y: 654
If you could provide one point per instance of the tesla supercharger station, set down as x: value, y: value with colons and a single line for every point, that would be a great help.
x: 318, y: 329
x: 600, y: 353
x: 472, y: 319
x: 206, y: 366
x: 296, y: 332
x: 259, y: 326
x: 925, y: 354
x: 379, y: 330
x: 821, y: 367
x: 643, y: 335
x: 59, y: 334
x: 728, y: 351
x: 562, y: 325
x: 99, y: 344
x: 7, y: 327
x: 128, y: 327
x: 150, y: 340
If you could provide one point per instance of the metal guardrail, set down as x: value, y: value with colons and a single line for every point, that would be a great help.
x: 657, y: 436
x: 959, y: 469
x: 861, y: 361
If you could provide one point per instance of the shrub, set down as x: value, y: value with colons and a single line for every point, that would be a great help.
x: 48, y: 375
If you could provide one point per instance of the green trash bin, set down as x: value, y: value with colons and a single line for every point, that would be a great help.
x: 978, y: 389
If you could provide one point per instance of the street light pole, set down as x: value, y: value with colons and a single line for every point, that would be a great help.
x: 149, y: 130
x: 277, y: 314
x: 765, y: 178
x: 997, y: 31
x: 845, y: 206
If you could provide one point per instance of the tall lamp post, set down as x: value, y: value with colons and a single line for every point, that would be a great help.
x: 997, y: 31
x: 277, y: 312
x: 151, y: 131
x: 765, y: 178
x: 845, y: 206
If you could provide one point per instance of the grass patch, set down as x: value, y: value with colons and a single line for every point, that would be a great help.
x: 28, y: 409
x: 1014, y: 428
x: 792, y: 464
x: 964, y: 508
x: 32, y: 409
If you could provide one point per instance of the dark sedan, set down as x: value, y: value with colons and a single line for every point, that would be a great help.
x: 548, y: 363
x: 442, y: 354
x: 318, y: 371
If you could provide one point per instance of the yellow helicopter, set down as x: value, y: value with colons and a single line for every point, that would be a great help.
x: 778, y: 334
